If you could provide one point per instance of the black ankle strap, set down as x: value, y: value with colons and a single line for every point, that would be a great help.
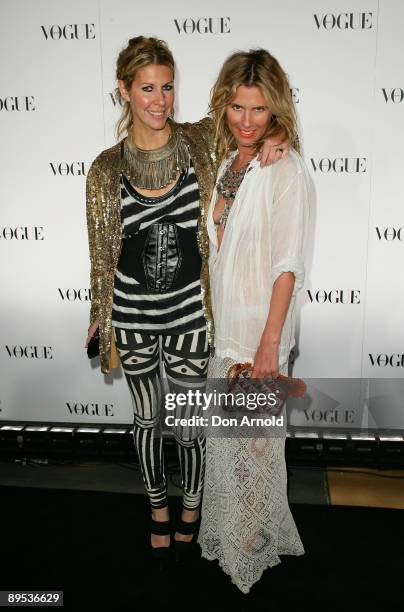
x: 160, y: 527
x: 188, y: 528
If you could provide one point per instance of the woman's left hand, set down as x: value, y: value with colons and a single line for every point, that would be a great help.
x: 272, y: 151
x: 266, y: 361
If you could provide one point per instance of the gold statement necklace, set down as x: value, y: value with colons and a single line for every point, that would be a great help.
x: 156, y: 168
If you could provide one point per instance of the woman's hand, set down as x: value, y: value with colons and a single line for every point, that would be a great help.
x: 272, y: 151
x: 266, y: 361
x: 91, y: 331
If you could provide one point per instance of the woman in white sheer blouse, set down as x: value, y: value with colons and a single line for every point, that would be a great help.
x: 256, y: 223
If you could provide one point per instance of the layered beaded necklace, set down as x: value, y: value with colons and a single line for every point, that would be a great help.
x: 227, y: 187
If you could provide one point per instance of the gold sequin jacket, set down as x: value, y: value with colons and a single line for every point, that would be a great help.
x: 105, y: 232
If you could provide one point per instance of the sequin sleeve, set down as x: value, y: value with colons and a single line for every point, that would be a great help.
x: 95, y: 241
x: 203, y: 132
x: 206, y: 128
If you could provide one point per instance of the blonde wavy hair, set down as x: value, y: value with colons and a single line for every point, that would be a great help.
x: 139, y: 52
x: 255, y: 67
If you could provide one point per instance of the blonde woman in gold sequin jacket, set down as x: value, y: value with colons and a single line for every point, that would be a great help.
x: 147, y: 199
x: 105, y: 231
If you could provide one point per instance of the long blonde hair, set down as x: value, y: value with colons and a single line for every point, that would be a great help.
x: 260, y: 68
x: 139, y: 52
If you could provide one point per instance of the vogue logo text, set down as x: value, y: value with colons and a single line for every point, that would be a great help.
x: 91, y: 409
x: 70, y: 31
x: 203, y: 25
x: 72, y: 295
x: 69, y: 168
x: 396, y: 360
x: 335, y: 296
x: 17, y: 103
x: 344, y: 21
x: 22, y: 233
x: 339, y: 165
x: 395, y: 95
x: 29, y: 352
x: 390, y: 233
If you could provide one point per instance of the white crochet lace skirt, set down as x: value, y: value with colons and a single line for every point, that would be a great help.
x: 246, y: 520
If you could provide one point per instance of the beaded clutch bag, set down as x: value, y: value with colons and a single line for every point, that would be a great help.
x: 277, y: 389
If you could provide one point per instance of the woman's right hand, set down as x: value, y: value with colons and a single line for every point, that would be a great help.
x: 266, y: 360
x: 91, y: 331
x: 273, y: 150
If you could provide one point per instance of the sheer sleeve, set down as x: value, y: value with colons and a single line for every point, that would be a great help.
x: 289, y: 222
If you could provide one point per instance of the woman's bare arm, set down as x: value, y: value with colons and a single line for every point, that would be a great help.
x: 266, y: 361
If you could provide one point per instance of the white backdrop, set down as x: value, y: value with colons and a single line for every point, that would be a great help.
x: 58, y: 111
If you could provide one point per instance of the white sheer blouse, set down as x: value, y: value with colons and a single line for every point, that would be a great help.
x: 264, y: 237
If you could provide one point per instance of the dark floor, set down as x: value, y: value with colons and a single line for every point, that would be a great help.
x: 83, y: 528
x: 92, y: 544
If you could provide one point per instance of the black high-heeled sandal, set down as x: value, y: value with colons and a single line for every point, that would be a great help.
x: 184, y: 550
x: 161, y: 554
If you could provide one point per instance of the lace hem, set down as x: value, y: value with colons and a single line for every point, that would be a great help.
x: 246, y: 586
x: 246, y: 521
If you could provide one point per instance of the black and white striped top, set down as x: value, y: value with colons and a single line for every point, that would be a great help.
x: 137, y: 305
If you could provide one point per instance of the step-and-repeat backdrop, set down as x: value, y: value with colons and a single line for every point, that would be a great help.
x: 58, y: 110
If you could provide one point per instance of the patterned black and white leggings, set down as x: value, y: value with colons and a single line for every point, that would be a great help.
x: 185, y: 359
